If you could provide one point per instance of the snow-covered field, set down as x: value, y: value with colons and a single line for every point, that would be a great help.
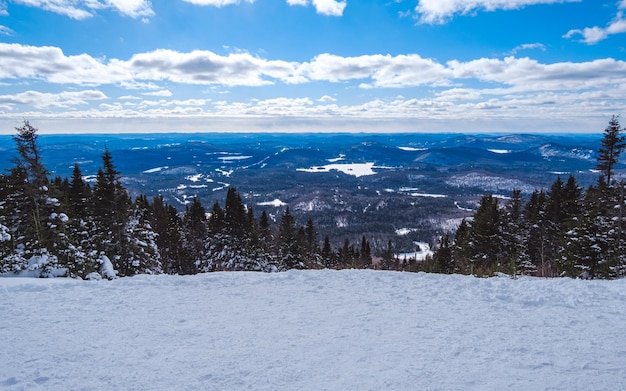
x: 312, y: 330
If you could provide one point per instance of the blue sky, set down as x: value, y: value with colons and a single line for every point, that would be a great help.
x: 312, y: 65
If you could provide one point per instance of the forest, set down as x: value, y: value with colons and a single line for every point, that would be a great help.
x: 52, y: 227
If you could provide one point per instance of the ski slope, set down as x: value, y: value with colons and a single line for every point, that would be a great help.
x: 312, y: 330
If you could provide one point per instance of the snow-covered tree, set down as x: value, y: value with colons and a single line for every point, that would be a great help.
x: 141, y: 252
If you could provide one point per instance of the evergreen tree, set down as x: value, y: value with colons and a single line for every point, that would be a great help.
x: 217, y: 219
x: 195, y: 236
x: 585, y: 242
x: 514, y: 234
x: 443, y: 262
x: 141, y: 255
x: 538, y: 248
x: 168, y: 227
x: 612, y: 146
x: 38, y: 221
x: 388, y: 259
x: 290, y: 251
x: 265, y: 231
x: 366, y: 254
x: 235, y: 217
x: 328, y: 257
x: 111, y: 207
x: 460, y: 249
x: 485, y: 245
x: 79, y: 194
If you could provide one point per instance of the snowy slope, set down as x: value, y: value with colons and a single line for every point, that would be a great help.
x: 312, y: 330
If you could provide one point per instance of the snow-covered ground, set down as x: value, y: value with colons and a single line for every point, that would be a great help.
x: 312, y: 330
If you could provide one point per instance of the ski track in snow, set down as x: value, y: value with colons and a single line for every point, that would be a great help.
x: 312, y: 330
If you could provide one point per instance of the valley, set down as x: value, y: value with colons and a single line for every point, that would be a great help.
x: 408, y: 188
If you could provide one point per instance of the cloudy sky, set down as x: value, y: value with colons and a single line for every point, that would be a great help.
x: 307, y: 65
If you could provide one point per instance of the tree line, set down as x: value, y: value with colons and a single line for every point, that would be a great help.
x: 565, y: 231
x: 66, y: 227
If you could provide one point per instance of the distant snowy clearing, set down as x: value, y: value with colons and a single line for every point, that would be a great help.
x: 312, y: 330
x: 354, y: 169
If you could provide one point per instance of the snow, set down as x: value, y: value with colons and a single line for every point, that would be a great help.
x: 156, y: 169
x: 194, y: 178
x: 312, y: 330
x: 275, y: 203
x: 228, y: 159
x: 5, y: 236
x: 422, y: 251
x: 405, y: 231
x: 354, y: 169
x: 337, y: 159
x: 412, y: 149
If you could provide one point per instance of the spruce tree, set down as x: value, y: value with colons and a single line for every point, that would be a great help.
x: 328, y: 257
x: 195, y: 236
x: 443, y: 262
x: 290, y: 252
x: 485, y: 246
x: 538, y: 247
x: 514, y: 233
x: 235, y: 216
x: 612, y: 146
x: 39, y: 220
x: 460, y: 248
x: 111, y: 207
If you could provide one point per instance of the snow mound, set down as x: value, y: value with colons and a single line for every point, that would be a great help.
x: 312, y: 330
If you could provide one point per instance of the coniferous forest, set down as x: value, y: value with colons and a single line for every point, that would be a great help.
x: 67, y: 227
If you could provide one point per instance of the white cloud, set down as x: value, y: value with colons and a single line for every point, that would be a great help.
x: 530, y: 75
x: 528, y: 46
x: 382, y: 70
x: 518, y: 87
x: 52, y: 65
x: 217, y: 3
x: 45, y: 100
x: 147, y: 70
x: 205, y: 67
x: 593, y: 35
x: 164, y: 93
x: 440, y: 11
x: 323, y: 7
x: 4, y: 30
x: 83, y: 9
